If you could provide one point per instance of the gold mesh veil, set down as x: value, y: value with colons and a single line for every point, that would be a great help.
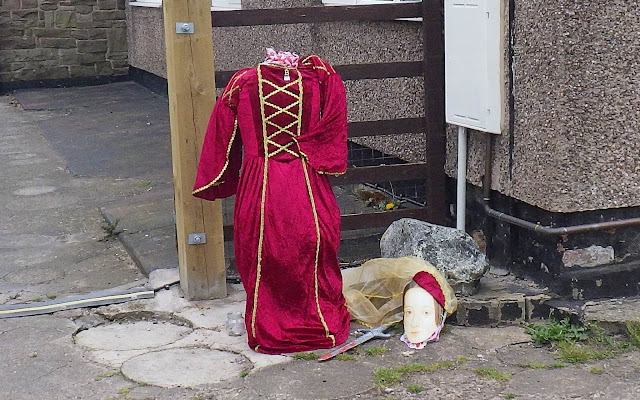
x: 373, y: 291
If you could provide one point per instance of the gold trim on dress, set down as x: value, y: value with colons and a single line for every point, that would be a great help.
x: 232, y: 87
x: 226, y: 163
x: 262, y: 204
x: 267, y: 139
x: 315, y: 267
x: 297, y: 118
x: 328, y: 70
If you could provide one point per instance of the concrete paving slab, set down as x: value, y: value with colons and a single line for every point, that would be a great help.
x: 171, y: 301
x: 612, y: 313
x: 626, y: 367
x: 489, y: 339
x: 311, y: 381
x: 187, y: 367
x: 572, y: 383
x: 163, y: 276
x: 445, y: 385
x: 131, y: 336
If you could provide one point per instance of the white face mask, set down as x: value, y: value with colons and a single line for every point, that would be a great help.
x: 420, y: 316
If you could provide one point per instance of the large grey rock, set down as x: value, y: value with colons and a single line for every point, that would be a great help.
x: 451, y: 251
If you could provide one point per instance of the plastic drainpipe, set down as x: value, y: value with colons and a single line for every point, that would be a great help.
x: 545, y: 230
x: 462, y: 179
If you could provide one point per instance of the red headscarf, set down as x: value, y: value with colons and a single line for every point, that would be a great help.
x: 429, y: 283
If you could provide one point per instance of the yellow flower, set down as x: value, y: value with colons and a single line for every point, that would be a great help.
x: 390, y: 206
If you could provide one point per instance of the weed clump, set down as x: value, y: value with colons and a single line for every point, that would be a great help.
x: 415, y: 388
x: 391, y: 376
x: 532, y: 365
x: 578, y: 343
x: 376, y: 350
x: 556, y: 331
x: 306, y: 356
x: 492, y: 373
x: 633, y: 331
x: 345, y: 357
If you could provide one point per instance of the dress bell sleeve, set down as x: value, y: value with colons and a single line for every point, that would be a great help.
x: 325, y: 144
x: 221, y: 156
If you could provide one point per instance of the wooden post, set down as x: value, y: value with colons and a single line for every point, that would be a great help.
x: 435, y: 128
x: 190, y: 75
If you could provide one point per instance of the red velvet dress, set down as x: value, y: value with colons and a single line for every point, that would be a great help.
x: 273, y: 137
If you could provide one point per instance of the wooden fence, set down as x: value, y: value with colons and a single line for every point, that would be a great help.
x: 431, y: 68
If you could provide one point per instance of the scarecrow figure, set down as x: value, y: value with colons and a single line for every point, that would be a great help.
x: 276, y: 133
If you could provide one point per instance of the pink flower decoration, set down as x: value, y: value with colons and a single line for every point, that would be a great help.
x: 285, y: 58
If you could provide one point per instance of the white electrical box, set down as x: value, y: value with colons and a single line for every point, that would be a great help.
x: 474, y: 82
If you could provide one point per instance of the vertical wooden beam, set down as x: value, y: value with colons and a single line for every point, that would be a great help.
x: 433, y: 64
x: 190, y: 76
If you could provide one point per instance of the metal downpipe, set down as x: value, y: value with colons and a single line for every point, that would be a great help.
x: 541, y: 229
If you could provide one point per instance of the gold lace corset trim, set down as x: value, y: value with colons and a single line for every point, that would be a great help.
x: 281, y: 110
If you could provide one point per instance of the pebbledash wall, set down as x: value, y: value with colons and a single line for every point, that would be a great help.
x: 58, y: 40
x: 570, y: 153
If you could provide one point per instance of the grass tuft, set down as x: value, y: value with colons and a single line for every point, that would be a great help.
x: 633, y: 331
x: 531, y: 365
x: 576, y: 353
x: 492, y: 373
x: 509, y: 396
x: 345, y: 357
x: 376, y: 350
x: 387, y: 377
x: 391, y: 376
x: 124, y: 391
x: 106, y: 375
x: 596, y: 370
x: 415, y: 389
x: 306, y: 356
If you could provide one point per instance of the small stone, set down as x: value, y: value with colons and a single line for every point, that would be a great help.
x: 34, y: 354
x: 591, y: 256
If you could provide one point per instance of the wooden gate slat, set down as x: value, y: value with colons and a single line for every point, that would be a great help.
x: 301, y: 15
x: 401, y: 69
x: 433, y: 66
x: 380, y: 219
x: 364, y: 221
x: 384, y: 173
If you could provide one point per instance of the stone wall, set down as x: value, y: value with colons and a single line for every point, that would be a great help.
x: 62, y: 39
